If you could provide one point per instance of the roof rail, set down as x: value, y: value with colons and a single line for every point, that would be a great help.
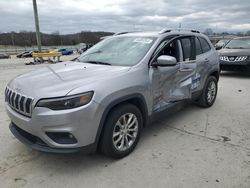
x: 102, y: 38
x: 125, y: 32
x: 115, y: 34
x: 166, y: 30
x: 195, y: 31
x: 121, y: 33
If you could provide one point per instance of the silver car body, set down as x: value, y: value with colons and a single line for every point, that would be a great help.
x: 155, y: 89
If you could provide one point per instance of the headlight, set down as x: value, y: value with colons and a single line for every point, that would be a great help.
x: 63, y: 103
x: 222, y: 58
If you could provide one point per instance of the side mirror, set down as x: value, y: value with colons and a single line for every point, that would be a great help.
x: 165, y: 60
x: 218, y: 47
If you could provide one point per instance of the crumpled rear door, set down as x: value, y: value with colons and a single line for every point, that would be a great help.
x: 183, y: 81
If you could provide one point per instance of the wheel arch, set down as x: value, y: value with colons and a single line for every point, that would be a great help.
x: 136, y: 99
x: 216, y: 74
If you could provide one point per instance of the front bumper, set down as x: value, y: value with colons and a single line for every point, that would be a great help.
x: 37, y: 144
x: 236, y: 63
x: 82, y: 123
x: 230, y: 65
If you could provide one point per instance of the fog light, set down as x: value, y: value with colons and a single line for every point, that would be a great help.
x: 62, y: 137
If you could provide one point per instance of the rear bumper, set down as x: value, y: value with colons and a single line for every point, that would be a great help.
x: 37, y: 144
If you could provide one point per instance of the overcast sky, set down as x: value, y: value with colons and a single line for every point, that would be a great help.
x: 70, y: 16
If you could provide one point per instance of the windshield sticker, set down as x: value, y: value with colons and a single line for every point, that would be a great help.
x: 143, y: 40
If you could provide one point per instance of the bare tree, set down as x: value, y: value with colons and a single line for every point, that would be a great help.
x: 208, y: 31
x: 248, y: 33
x: 28, y: 38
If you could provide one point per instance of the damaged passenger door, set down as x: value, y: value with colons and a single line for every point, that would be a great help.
x: 171, y: 84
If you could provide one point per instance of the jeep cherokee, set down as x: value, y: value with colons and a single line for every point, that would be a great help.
x: 104, y: 98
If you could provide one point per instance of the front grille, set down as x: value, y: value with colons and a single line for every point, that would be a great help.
x: 233, y: 58
x: 18, y: 102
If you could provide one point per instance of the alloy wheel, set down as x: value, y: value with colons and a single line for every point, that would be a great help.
x: 125, y: 131
x: 211, y: 92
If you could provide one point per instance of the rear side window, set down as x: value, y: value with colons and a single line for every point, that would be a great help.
x: 186, y: 48
x: 204, y: 45
x: 198, y: 46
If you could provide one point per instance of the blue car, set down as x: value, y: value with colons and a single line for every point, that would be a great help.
x: 66, y: 51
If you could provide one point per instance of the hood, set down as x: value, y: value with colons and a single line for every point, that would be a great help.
x: 234, y: 52
x: 60, y: 79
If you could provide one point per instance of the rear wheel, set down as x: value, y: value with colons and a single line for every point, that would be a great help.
x: 209, y: 93
x: 121, y: 131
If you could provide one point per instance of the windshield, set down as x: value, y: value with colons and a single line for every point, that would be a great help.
x: 123, y: 51
x: 223, y: 41
x: 238, y: 44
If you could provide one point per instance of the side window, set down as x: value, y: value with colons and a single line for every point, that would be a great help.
x: 186, y: 48
x: 204, y: 45
x: 160, y: 47
x: 171, y: 49
x: 198, y: 46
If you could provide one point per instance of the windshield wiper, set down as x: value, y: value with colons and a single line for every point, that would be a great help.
x: 76, y: 59
x: 97, y: 62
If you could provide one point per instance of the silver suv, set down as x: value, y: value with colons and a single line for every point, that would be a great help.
x: 104, y: 98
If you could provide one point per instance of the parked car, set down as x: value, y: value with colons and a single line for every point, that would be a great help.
x: 114, y: 89
x: 4, y: 56
x: 87, y: 46
x: 65, y: 51
x: 26, y: 54
x: 236, y: 54
x: 21, y: 54
x: 221, y: 43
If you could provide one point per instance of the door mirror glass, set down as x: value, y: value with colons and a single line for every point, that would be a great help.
x: 165, y: 60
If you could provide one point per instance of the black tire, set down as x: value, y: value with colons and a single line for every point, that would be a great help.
x: 107, y: 145
x: 204, y: 101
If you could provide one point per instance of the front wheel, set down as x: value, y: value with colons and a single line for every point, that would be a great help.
x: 121, y: 131
x: 209, y: 92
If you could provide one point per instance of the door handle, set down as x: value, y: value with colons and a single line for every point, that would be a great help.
x: 186, y: 70
x: 206, y: 60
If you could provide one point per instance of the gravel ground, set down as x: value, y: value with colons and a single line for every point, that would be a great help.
x: 194, y: 148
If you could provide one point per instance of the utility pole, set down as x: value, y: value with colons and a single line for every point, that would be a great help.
x: 38, y: 37
x: 12, y: 39
x: 179, y: 26
x: 61, y: 41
